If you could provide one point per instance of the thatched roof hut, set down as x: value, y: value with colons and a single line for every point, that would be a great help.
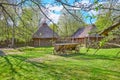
x: 44, y: 36
x: 45, y: 31
x: 88, y: 31
x: 86, y: 34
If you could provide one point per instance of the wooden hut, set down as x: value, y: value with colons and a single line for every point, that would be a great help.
x: 44, y: 36
x: 86, y: 35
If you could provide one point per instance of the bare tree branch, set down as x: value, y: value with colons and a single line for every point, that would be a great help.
x: 76, y: 17
x: 8, y: 4
x: 44, y: 13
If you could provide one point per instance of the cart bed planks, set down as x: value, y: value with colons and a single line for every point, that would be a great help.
x: 63, y: 47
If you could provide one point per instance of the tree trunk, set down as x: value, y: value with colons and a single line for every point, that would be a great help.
x: 13, y: 38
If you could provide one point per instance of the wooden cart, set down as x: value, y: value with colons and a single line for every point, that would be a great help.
x: 63, y: 47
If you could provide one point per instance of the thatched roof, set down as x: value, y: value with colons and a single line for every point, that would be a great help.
x: 88, y: 31
x: 45, y: 31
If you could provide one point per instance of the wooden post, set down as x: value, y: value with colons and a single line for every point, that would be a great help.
x: 88, y: 41
x: 39, y: 42
x: 85, y: 41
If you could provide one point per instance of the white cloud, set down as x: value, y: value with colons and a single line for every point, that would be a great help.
x: 56, y: 8
x: 118, y: 1
x: 84, y: 1
x: 53, y: 15
x: 93, y: 12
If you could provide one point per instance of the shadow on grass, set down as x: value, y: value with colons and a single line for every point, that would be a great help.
x: 26, y: 66
x: 85, y: 56
x: 10, y: 64
x: 15, y: 62
x: 2, y: 53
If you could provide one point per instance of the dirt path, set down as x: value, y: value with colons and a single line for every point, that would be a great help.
x: 46, y: 58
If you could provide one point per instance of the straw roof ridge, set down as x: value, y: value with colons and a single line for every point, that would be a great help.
x: 79, y: 31
x: 88, y: 31
x: 45, y: 31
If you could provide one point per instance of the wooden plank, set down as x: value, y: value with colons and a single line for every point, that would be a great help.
x: 62, y: 47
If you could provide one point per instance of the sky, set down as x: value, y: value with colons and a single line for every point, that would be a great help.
x: 57, y: 11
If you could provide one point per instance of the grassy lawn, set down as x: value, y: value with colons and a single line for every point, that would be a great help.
x: 41, y: 64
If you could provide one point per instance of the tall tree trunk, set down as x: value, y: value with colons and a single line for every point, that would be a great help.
x: 13, y: 37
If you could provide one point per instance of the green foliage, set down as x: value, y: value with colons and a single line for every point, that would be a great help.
x: 5, y: 30
x: 103, y: 21
x: 96, y: 8
x: 54, y: 27
x: 26, y: 24
x: 5, y: 26
x: 68, y: 23
x: 95, y: 1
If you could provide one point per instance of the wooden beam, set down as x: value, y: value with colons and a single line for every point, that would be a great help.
x: 114, y: 44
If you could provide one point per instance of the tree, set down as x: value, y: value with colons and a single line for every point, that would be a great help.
x: 107, y: 17
x: 69, y: 22
x: 8, y: 14
x: 54, y: 27
x: 103, y: 21
x: 12, y: 12
x: 30, y: 22
x: 18, y: 23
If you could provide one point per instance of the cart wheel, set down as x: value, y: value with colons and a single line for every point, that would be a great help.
x: 77, y: 50
x: 54, y: 52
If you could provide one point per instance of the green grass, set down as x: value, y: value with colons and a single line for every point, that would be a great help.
x: 41, y: 64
